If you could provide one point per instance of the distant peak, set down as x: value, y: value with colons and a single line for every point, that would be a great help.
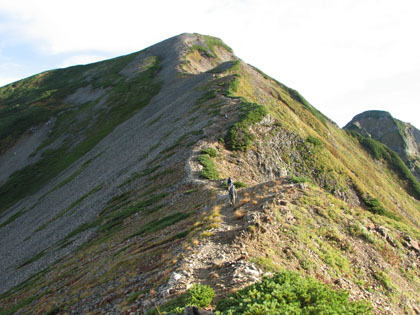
x: 374, y: 113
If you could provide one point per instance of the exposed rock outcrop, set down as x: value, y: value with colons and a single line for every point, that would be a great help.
x: 399, y: 136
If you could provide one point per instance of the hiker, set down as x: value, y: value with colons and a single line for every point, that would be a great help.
x: 232, y: 194
x: 229, y: 182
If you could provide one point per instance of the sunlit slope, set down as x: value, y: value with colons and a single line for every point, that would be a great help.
x: 293, y: 138
x: 136, y: 217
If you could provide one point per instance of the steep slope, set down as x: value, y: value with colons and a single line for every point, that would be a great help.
x: 89, y: 163
x: 399, y: 136
x: 117, y: 201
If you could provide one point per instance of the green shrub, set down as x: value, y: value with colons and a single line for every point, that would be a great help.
x: 209, y: 169
x: 240, y: 185
x: 237, y: 184
x: 198, y: 295
x: 299, y: 179
x: 315, y: 141
x: 374, y: 205
x: 238, y: 137
x: 376, y: 149
x: 289, y: 293
x: 210, y: 151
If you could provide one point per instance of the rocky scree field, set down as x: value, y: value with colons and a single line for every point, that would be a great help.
x: 118, y: 203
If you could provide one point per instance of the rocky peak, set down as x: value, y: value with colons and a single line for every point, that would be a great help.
x: 399, y: 136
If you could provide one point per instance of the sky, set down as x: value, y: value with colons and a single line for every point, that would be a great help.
x: 344, y: 57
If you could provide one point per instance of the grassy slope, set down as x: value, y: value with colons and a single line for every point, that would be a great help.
x: 129, y: 241
x: 80, y: 127
x: 138, y: 229
x: 341, y: 156
x: 350, y: 167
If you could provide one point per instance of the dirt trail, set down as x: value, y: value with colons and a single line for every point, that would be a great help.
x: 219, y: 256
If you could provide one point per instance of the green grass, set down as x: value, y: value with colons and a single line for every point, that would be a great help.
x: 384, y: 280
x: 315, y: 141
x: 155, y: 120
x: 299, y: 179
x: 116, y: 219
x: 112, y: 217
x: 26, y: 302
x: 149, y: 171
x: 240, y: 184
x: 211, y: 42
x: 209, y: 169
x: 13, y: 217
x: 73, y: 204
x: 161, y: 174
x: 70, y: 178
x: 239, y: 137
x: 209, y: 95
x: 159, y: 224
x: 228, y: 66
x: 33, y: 259
x: 380, y: 151
x: 190, y: 191
x: 30, y: 282
x: 299, y: 98
x: 140, y: 174
x: 125, y: 98
x: 202, y: 50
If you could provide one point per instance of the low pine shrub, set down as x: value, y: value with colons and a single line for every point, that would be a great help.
x: 289, y: 293
x: 209, y: 169
x: 198, y: 295
x: 210, y: 151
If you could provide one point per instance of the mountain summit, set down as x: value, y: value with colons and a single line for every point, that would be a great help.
x: 399, y: 136
x: 113, y: 193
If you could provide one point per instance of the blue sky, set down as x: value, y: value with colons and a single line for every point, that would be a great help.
x: 343, y: 56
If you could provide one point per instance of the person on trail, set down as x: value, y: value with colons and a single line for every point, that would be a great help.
x: 232, y: 194
x: 229, y: 182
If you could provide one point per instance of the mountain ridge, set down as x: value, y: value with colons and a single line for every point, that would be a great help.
x: 135, y: 204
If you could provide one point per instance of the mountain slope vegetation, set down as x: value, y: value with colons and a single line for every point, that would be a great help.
x: 113, y: 196
x: 401, y: 137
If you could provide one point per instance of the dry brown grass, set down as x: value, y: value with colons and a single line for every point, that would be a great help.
x: 242, y: 202
x: 239, y: 214
x: 206, y: 234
